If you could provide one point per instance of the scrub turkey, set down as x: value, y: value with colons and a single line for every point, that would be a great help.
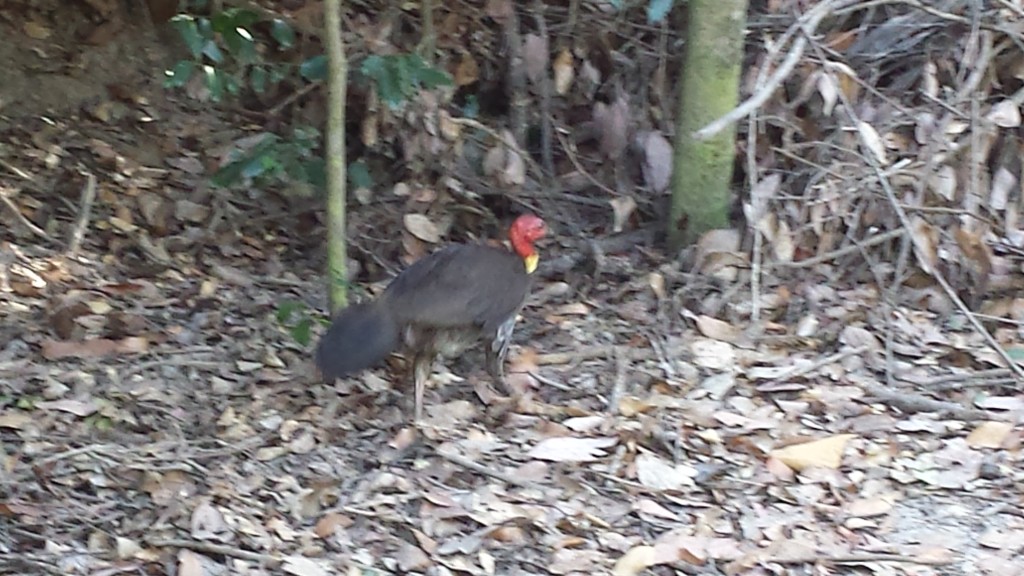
x: 443, y: 304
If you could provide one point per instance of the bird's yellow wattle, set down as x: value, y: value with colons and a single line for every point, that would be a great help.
x: 531, y: 262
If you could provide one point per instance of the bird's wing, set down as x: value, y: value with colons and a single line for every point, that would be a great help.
x: 461, y: 285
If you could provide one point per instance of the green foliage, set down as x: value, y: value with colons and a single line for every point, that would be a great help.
x: 657, y: 10
x: 100, y: 422
x: 27, y: 402
x: 226, y: 53
x: 359, y: 176
x: 297, y: 318
x: 399, y: 76
x: 274, y: 159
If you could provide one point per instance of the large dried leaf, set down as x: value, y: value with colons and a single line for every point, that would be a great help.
x: 657, y: 166
x: 563, y: 70
x: 873, y: 142
x: 989, y: 435
x: 535, y: 57
x: 1005, y: 114
x: 422, y: 227
x: 825, y: 453
x: 622, y: 209
x: 571, y: 449
x: 612, y: 122
x: 925, y: 239
x: 657, y: 474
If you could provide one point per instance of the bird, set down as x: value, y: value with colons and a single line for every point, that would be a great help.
x: 445, y: 303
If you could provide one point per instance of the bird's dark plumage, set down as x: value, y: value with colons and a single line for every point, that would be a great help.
x: 443, y: 304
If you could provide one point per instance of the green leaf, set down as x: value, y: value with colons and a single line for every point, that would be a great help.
x: 232, y: 18
x: 206, y: 29
x: 1016, y: 353
x: 301, y: 331
x: 258, y: 79
x: 657, y: 10
x: 245, y: 18
x: 373, y: 66
x: 179, y: 75
x: 101, y: 423
x: 214, y: 83
x: 222, y: 21
x: 315, y: 170
x: 241, y: 44
x: 471, y: 109
x: 287, y: 308
x: 434, y: 77
x: 359, y: 175
x: 282, y: 32
x: 212, y: 51
x: 189, y: 32
x: 278, y: 73
x: 314, y: 68
x: 232, y: 85
x: 259, y: 164
x: 390, y: 89
x: 27, y: 402
x: 227, y: 175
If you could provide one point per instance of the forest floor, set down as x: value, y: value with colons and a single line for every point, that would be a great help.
x: 157, y: 416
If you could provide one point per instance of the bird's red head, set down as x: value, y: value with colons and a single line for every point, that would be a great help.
x: 526, y: 230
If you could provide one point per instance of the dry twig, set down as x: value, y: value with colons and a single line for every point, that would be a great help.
x: 211, y: 548
x: 460, y: 460
x: 84, y: 212
x: 21, y: 217
x: 904, y: 220
x: 807, y: 23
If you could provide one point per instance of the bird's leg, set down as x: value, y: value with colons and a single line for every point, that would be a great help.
x: 497, y: 352
x: 496, y: 369
x: 421, y: 365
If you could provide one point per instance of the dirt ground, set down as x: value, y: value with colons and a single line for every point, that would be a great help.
x: 156, y: 417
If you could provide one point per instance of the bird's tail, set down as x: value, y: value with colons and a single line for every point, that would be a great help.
x: 359, y: 337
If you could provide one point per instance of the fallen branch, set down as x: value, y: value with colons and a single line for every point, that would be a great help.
x: 590, y: 353
x: 833, y: 255
x: 211, y: 548
x: 460, y: 460
x: 84, y: 211
x: 21, y: 217
x: 911, y: 402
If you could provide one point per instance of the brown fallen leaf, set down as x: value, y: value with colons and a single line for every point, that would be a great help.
x: 569, y: 449
x: 635, y: 560
x: 717, y: 329
x: 302, y: 566
x: 989, y: 435
x: 80, y: 408
x: 14, y: 419
x: 868, y: 507
x: 190, y: 563
x: 422, y: 227
x: 330, y: 523
x: 826, y: 453
x: 55, y: 349
x: 563, y: 70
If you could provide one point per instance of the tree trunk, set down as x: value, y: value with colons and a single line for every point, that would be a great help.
x: 702, y: 170
x: 336, y: 195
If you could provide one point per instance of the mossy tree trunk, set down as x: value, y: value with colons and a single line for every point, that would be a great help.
x: 336, y: 195
x: 702, y: 170
x: 428, y: 44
